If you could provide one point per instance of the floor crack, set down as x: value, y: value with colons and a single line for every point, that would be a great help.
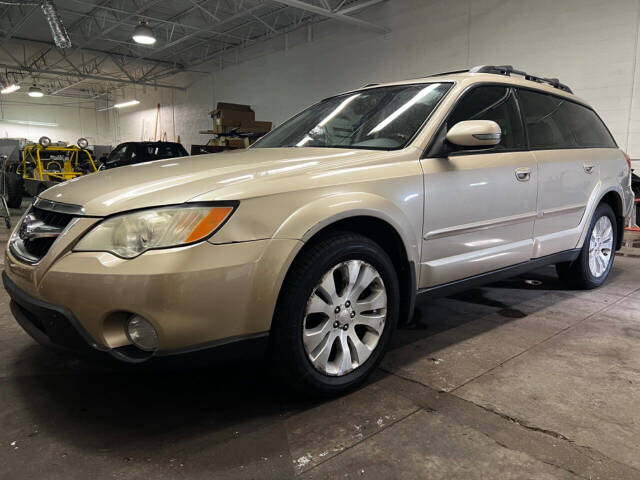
x: 524, y: 424
x: 593, y: 454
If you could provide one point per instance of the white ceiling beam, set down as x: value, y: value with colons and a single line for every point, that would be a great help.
x: 333, y: 15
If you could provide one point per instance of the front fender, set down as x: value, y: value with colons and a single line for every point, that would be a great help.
x: 312, y: 217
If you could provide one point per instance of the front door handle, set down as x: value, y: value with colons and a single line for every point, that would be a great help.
x: 588, y: 167
x: 523, y: 174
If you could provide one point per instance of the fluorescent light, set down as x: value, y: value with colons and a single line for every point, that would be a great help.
x: 130, y: 103
x: 328, y: 118
x: 404, y: 108
x: 143, y: 34
x: 35, y: 92
x: 10, y: 88
x: 340, y: 107
x: 29, y: 122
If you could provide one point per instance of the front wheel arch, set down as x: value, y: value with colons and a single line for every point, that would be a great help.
x: 385, y: 235
x: 286, y: 351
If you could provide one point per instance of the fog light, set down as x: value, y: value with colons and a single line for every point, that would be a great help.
x: 142, y: 334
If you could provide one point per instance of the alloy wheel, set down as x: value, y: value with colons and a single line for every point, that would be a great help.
x: 600, y: 246
x: 345, y: 317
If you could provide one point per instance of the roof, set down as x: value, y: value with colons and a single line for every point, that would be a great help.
x: 469, y: 77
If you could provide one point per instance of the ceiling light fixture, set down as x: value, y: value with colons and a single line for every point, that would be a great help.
x: 33, y: 122
x: 10, y: 88
x: 130, y: 103
x: 35, y: 92
x: 143, y: 34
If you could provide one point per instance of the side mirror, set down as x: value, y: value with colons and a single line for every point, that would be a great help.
x: 475, y: 133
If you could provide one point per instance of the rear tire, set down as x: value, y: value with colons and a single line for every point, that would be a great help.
x: 329, y: 264
x: 592, y: 267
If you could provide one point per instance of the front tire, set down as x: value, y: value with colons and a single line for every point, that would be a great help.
x: 592, y: 267
x: 337, y: 309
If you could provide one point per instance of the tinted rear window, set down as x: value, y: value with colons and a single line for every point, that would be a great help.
x: 553, y: 122
x: 588, y: 129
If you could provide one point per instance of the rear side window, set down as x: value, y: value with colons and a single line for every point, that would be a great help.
x: 546, y: 124
x: 553, y: 122
x: 492, y: 103
x: 157, y: 152
x: 588, y: 129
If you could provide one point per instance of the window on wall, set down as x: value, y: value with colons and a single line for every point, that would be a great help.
x: 554, y: 122
x: 492, y: 103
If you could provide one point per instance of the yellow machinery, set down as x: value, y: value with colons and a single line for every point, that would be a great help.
x: 44, y: 164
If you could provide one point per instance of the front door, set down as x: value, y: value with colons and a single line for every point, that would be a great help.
x: 480, y: 205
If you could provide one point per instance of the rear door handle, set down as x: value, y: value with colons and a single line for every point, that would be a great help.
x: 523, y: 174
x: 588, y: 167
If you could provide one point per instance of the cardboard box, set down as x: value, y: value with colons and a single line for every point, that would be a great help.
x: 235, y: 117
x: 234, y: 143
x: 261, y: 127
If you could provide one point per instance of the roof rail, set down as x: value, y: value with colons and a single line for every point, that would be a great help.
x: 442, y: 74
x: 508, y: 70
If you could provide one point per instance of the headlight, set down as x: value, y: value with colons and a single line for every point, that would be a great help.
x: 131, y: 234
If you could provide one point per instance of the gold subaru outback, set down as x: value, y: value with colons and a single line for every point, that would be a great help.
x: 314, y: 243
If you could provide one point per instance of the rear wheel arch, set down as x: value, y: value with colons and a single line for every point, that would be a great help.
x: 614, y: 200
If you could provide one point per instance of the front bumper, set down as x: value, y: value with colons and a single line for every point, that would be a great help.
x: 196, y: 297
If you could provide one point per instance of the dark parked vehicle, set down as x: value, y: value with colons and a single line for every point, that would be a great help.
x: 138, y: 152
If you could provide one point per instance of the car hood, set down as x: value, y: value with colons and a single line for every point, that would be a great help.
x: 230, y: 175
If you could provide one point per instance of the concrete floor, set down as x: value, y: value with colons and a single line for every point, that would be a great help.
x: 519, y: 379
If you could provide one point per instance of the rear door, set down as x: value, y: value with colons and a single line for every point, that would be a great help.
x: 480, y: 205
x: 567, y: 139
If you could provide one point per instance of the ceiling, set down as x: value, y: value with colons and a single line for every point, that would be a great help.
x: 104, y: 58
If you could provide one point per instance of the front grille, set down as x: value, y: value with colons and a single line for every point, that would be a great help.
x: 38, y: 247
x: 55, y: 219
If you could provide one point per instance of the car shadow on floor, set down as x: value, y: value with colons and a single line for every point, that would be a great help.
x: 94, y: 406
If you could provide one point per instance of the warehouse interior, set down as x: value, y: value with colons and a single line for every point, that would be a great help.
x: 523, y: 378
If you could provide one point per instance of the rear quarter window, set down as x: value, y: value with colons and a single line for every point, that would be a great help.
x: 553, y: 122
x: 588, y: 129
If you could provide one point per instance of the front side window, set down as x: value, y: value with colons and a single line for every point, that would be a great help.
x: 120, y: 153
x: 492, y: 103
x: 383, y: 118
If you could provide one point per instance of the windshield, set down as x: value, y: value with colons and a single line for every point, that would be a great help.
x: 383, y: 118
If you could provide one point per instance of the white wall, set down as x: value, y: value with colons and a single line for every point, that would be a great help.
x: 181, y: 115
x: 72, y: 119
x: 592, y: 45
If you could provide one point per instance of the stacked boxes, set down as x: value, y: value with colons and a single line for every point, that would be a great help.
x: 236, y: 118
